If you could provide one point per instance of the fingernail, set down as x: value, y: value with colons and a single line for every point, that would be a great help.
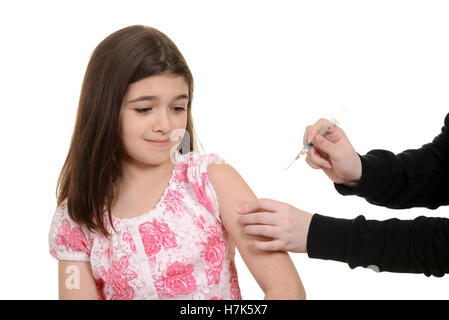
x: 242, y: 208
x: 318, y: 140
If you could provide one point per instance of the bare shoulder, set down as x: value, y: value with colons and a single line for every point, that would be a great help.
x: 224, y: 174
x: 219, y: 168
x: 231, y: 189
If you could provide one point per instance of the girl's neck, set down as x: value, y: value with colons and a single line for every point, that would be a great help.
x: 139, y: 176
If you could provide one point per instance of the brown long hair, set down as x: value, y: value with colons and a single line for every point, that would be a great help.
x: 92, y: 164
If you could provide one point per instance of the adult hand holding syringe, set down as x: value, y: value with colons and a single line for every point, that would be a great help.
x: 322, y: 131
x: 333, y: 153
x: 309, y: 145
x: 329, y: 149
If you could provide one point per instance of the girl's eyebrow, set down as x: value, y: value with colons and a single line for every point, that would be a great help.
x: 150, y: 98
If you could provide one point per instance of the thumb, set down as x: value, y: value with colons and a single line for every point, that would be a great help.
x: 325, y: 145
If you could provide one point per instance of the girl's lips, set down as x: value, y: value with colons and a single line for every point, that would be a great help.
x: 163, y: 143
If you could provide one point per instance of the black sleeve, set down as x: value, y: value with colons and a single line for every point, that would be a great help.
x: 409, y: 246
x: 413, y: 178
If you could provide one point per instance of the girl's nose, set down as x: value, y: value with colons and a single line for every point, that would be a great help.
x: 161, y: 122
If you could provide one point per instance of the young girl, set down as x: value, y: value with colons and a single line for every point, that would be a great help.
x: 141, y: 214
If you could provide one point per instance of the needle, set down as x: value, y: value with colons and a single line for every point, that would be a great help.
x: 303, y: 152
x: 322, y: 132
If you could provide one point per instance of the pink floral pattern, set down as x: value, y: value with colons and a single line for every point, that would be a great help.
x: 176, y: 251
x: 177, y: 280
x: 118, y: 277
x: 233, y: 280
x: 156, y: 235
x: 71, y: 238
x: 173, y: 202
x: 214, y: 253
x: 201, y: 192
x: 181, y: 173
x: 128, y: 238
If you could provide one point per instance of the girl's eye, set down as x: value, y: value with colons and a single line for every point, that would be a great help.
x: 179, y: 109
x: 143, y: 110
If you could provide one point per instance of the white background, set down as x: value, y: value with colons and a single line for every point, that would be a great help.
x: 263, y: 71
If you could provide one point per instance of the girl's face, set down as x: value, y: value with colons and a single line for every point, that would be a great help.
x: 151, y: 110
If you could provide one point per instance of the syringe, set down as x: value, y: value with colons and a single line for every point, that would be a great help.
x: 322, y: 132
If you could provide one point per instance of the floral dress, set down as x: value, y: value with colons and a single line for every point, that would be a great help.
x: 177, y: 250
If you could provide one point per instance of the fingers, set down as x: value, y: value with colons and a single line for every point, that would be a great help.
x: 261, y: 205
x: 261, y: 230
x: 328, y: 147
x: 274, y: 245
x: 311, y: 163
x: 316, y: 161
x: 257, y: 218
x: 317, y: 127
x: 305, y: 139
x: 262, y: 224
x: 309, y: 159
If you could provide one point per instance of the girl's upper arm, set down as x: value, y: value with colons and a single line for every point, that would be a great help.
x: 274, y: 271
x: 76, y: 281
x: 71, y: 246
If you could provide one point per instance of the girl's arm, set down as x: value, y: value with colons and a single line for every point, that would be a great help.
x: 76, y: 281
x: 274, y: 271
